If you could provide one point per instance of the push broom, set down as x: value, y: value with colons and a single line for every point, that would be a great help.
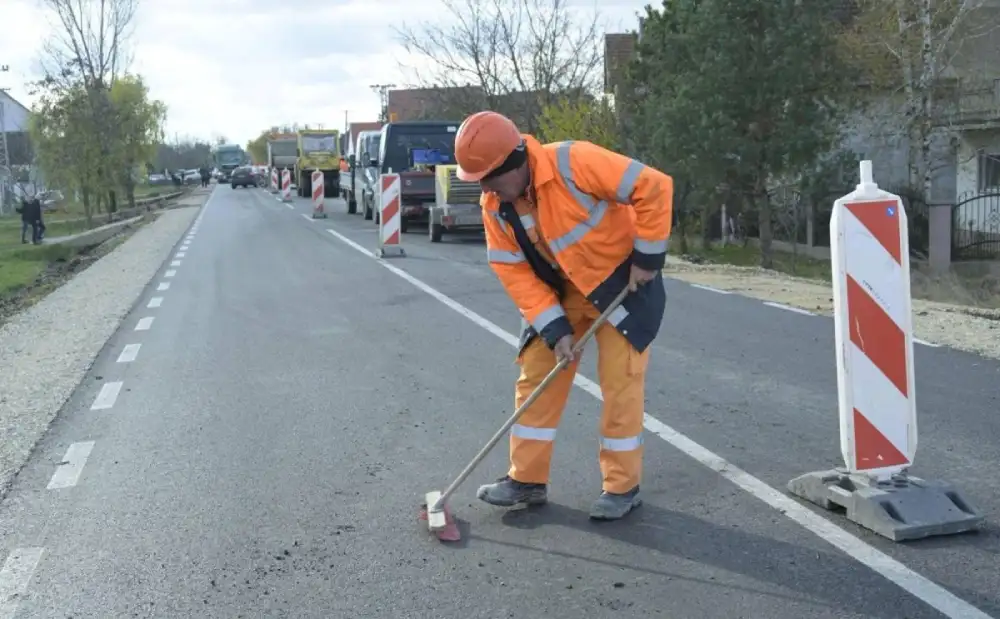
x: 435, y: 509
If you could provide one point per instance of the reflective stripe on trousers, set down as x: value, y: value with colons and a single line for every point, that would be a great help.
x: 622, y: 372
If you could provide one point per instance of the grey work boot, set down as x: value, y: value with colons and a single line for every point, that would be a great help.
x: 610, y: 506
x: 507, y: 492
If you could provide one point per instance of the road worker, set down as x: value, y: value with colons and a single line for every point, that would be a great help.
x: 568, y: 227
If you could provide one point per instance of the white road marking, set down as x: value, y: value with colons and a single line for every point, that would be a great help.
x: 185, y: 247
x: 797, y: 310
x: 292, y: 207
x: 917, y: 340
x: 180, y: 254
x: 710, y: 289
x: 308, y: 218
x: 910, y: 581
x: 129, y: 353
x: 163, y: 286
x: 69, y: 470
x: 170, y: 273
x: 155, y: 302
x: 14, y: 578
x: 175, y: 263
x: 144, y: 323
x: 107, y: 396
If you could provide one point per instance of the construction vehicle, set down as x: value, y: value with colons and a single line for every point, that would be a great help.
x: 282, y: 153
x: 456, y: 204
x: 318, y: 149
x: 359, y: 174
x: 414, y: 149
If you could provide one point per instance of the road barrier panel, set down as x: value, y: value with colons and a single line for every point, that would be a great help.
x: 286, y: 185
x: 318, y: 189
x: 390, y: 215
x: 274, y: 180
x: 875, y: 380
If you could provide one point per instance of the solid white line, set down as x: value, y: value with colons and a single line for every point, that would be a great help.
x: 163, y: 286
x: 155, y: 302
x: 107, y: 396
x: 175, y: 263
x: 129, y: 353
x: 170, y: 273
x: 920, y: 587
x: 917, y: 340
x: 69, y: 470
x: 180, y: 254
x: 144, y: 323
x: 14, y: 578
x: 789, y: 308
x: 710, y: 289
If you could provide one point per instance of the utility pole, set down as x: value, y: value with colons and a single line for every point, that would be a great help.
x: 383, y: 94
x: 5, y: 171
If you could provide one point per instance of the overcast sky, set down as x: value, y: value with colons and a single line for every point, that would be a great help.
x: 235, y: 67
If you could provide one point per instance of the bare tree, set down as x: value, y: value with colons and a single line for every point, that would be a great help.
x: 90, y: 51
x: 515, y: 56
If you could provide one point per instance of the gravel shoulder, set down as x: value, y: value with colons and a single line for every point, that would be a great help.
x: 47, y: 349
x: 964, y: 328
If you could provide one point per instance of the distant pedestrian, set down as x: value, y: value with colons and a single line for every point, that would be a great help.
x: 31, y: 216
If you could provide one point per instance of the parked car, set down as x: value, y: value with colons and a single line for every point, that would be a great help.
x: 243, y: 176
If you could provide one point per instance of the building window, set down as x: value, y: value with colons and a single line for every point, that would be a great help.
x: 989, y: 172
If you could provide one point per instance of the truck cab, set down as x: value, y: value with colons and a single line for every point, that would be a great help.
x: 318, y: 150
x: 413, y: 149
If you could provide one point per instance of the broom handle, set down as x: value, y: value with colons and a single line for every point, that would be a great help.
x: 527, y: 403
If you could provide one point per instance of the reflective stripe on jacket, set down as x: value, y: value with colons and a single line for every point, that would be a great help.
x: 599, y: 212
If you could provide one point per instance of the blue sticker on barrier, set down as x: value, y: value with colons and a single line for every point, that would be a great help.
x: 890, y: 211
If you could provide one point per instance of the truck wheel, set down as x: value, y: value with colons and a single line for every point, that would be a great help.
x: 352, y: 204
x: 436, y: 230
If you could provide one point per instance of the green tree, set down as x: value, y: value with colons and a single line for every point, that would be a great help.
x: 741, y: 93
x: 140, y: 128
x: 579, y: 119
x: 257, y: 147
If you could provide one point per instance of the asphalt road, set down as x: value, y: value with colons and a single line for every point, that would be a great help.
x: 293, y: 399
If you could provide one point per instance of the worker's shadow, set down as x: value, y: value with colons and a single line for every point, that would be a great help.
x: 824, y: 578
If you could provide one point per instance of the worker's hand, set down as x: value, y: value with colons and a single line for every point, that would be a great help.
x: 564, y: 349
x: 637, y: 277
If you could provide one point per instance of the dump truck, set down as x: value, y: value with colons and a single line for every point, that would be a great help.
x: 414, y: 149
x: 226, y: 158
x: 282, y: 153
x: 318, y: 149
x: 456, y: 204
x: 359, y: 173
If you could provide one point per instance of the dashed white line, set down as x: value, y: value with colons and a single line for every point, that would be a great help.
x: 144, y: 323
x: 14, y: 578
x: 69, y: 470
x: 789, y: 308
x: 710, y: 289
x: 185, y: 247
x: 129, y: 353
x: 290, y: 207
x: 910, y: 581
x: 163, y: 286
x: 107, y: 396
x: 175, y: 263
x: 180, y: 254
x: 308, y: 218
x: 155, y: 302
x: 917, y: 340
x: 170, y: 273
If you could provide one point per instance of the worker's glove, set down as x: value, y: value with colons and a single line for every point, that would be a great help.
x: 564, y: 349
x: 638, y: 277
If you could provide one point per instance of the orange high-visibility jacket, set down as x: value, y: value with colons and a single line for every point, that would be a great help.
x: 599, y: 212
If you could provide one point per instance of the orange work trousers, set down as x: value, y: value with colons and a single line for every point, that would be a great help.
x: 621, y: 372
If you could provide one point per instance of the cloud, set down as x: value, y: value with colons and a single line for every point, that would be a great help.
x: 235, y: 67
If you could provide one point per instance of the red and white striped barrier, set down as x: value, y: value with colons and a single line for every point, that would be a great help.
x: 873, y: 328
x: 390, y: 214
x: 318, y: 191
x: 286, y: 185
x: 274, y: 180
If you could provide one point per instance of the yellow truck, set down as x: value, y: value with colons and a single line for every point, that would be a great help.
x: 318, y: 149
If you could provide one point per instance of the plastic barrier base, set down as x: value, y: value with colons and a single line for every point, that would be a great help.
x: 390, y: 251
x: 903, y: 508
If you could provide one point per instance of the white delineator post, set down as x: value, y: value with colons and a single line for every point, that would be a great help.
x: 390, y: 212
x: 873, y: 332
x: 286, y: 185
x: 318, y: 190
x: 274, y: 180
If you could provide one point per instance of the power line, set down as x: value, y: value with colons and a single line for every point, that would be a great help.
x: 383, y: 94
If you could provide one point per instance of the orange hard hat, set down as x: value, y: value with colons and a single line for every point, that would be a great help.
x: 483, y: 143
